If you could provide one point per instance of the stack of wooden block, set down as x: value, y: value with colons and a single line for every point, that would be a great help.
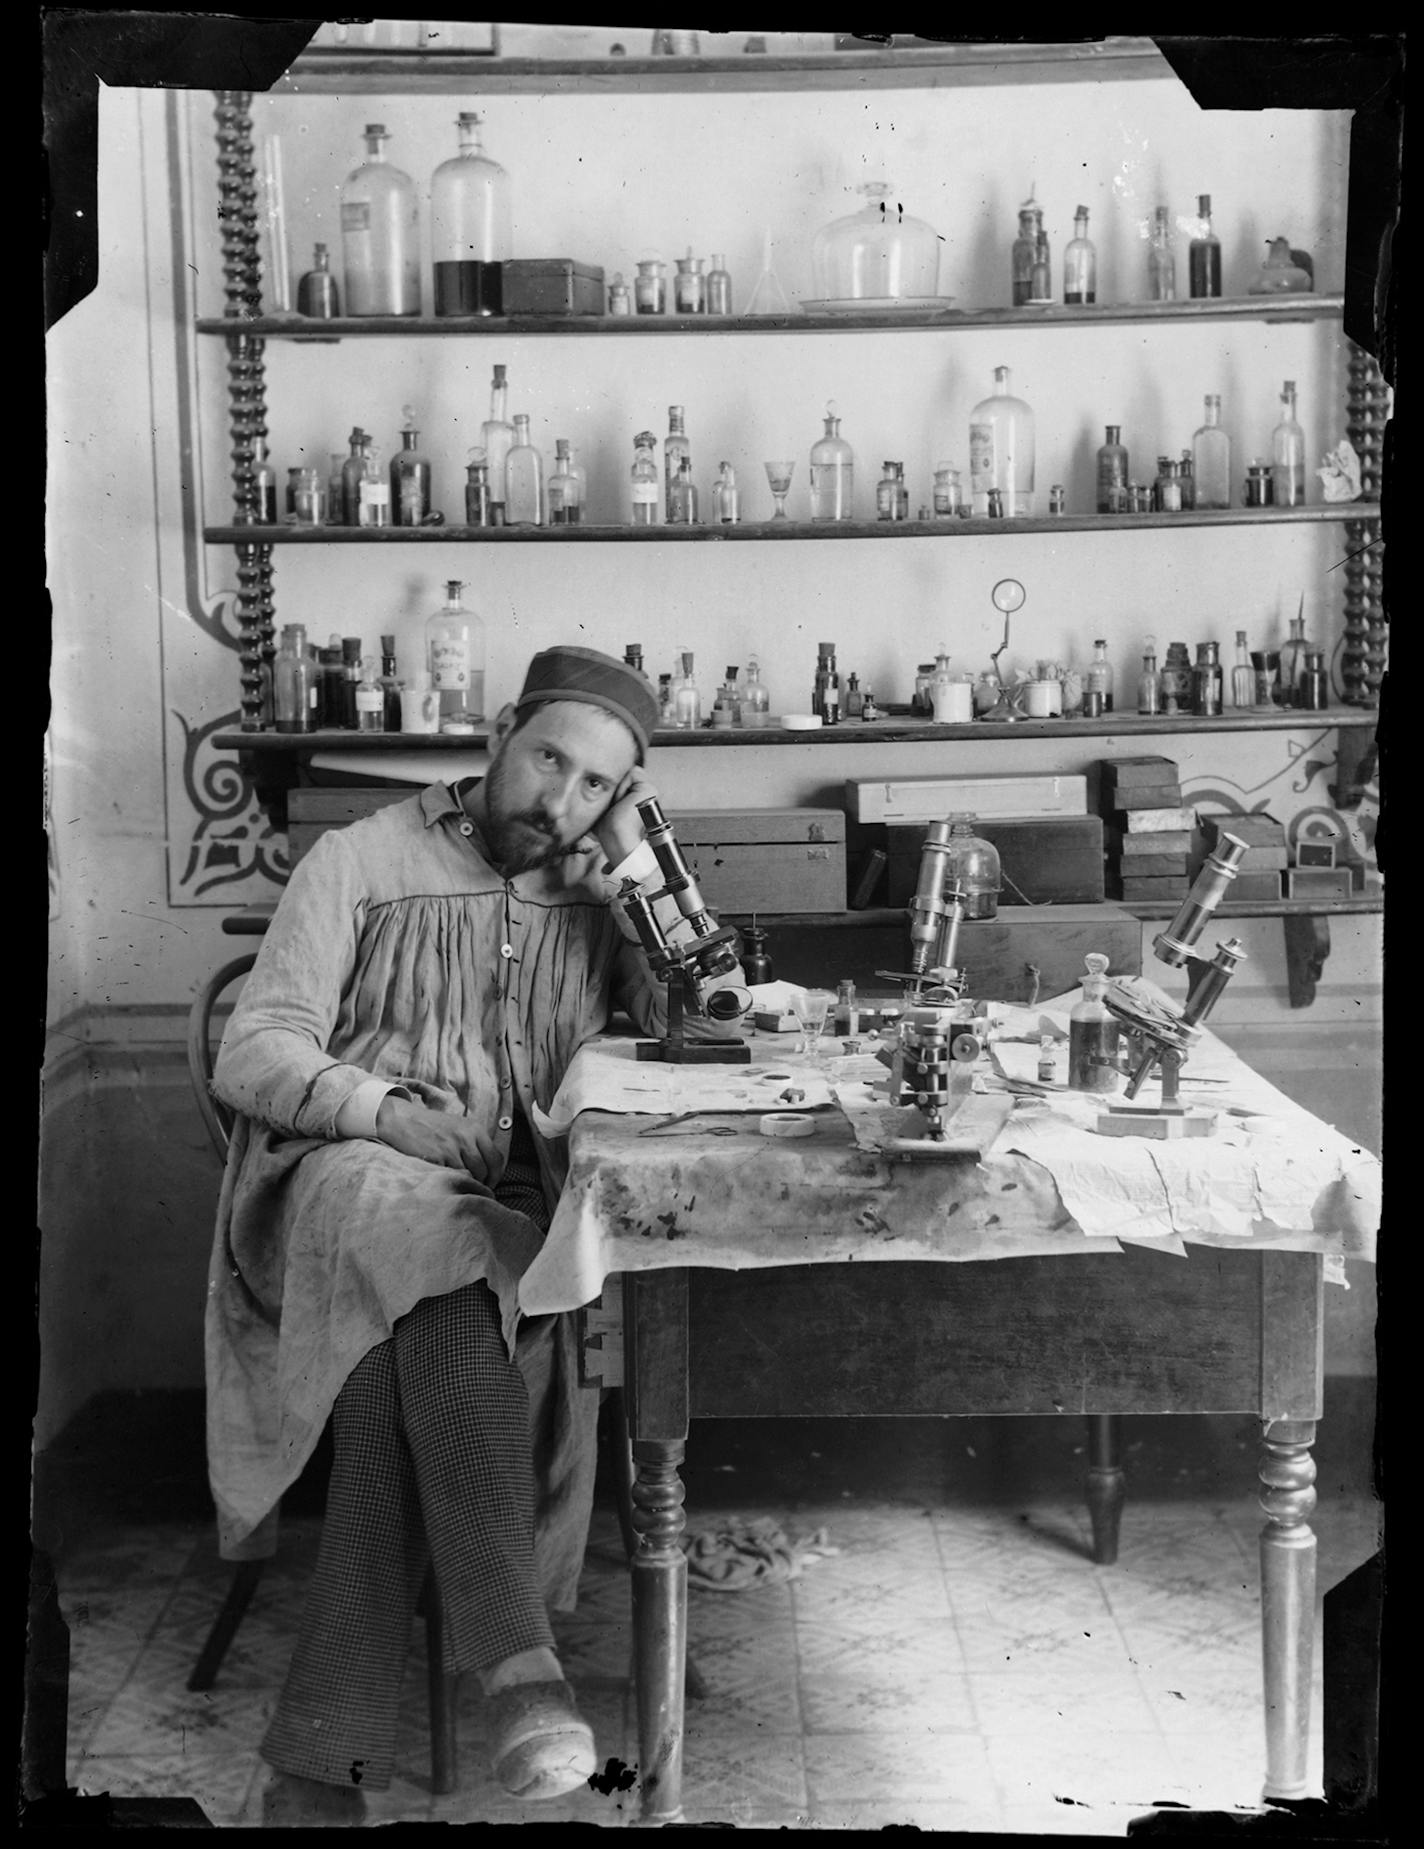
x: 1265, y: 859
x: 1149, y: 833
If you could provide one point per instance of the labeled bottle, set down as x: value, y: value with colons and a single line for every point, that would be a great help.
x: 1099, y: 676
x: 650, y: 287
x: 1094, y: 1036
x: 1206, y: 682
x: 455, y: 648
x: 643, y: 479
x: 826, y: 690
x: 719, y: 287
x: 1313, y: 694
x: 689, y: 286
x: 295, y: 692
x: 477, y: 494
x: 854, y: 698
x: 374, y: 506
x: 756, y: 701
x: 565, y: 487
x: 675, y: 448
x: 1169, y: 486
x: 1294, y: 650
x: 1288, y: 454
x: 682, y: 504
x: 1211, y: 458
x: 1161, y: 260
x: 1080, y: 264
x: 523, y: 478
x: 948, y: 499
x: 1022, y: 255
x: 496, y: 438
x: 370, y: 697
x: 1112, y: 473
x: 264, y: 487
x: 1149, y: 691
x: 1041, y: 277
x: 1204, y: 254
x: 410, y: 477
x: 1176, y: 679
x: 351, y: 649
x: 892, y: 497
x: 470, y: 227
x: 726, y: 497
x: 380, y: 234
x: 317, y: 293
x: 832, y: 473
x: 390, y: 686
x: 686, y: 699
x: 1001, y: 451
x: 1243, y: 676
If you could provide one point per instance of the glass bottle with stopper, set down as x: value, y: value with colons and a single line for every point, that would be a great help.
x: 496, y: 439
x: 380, y: 234
x: 1024, y: 248
x: 1080, y: 264
x: 643, y: 481
x: 410, y: 477
x: 756, y: 700
x: 317, y: 293
x: 726, y: 497
x: 1001, y: 445
x: 455, y: 645
x: 1093, y: 1033
x: 1288, y: 454
x: 832, y: 473
x: 470, y: 227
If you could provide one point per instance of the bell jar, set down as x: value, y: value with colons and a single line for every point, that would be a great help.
x: 879, y: 253
x: 974, y: 864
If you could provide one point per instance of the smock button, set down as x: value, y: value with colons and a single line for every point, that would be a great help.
x: 506, y: 950
x: 506, y: 1123
x: 467, y: 828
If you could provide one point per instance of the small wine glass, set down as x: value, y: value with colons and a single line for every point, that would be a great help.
x: 811, y: 1009
x: 778, y: 475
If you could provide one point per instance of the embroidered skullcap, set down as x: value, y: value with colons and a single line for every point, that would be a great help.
x: 598, y: 680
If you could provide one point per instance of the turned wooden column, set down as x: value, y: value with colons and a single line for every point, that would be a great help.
x: 1106, y: 1487
x: 1287, y: 1473
x: 1365, y: 649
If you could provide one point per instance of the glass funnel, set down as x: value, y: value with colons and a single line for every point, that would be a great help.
x: 879, y: 253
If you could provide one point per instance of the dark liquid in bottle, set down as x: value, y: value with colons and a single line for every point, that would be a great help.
x: 565, y: 516
x: 1204, y: 261
x: 469, y: 288
x: 1080, y: 298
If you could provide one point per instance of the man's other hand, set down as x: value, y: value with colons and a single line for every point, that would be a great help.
x: 621, y: 829
x: 441, y: 1137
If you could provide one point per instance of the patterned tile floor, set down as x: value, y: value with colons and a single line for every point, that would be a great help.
x: 958, y: 1663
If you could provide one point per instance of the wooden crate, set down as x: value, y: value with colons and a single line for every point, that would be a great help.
x: 1052, y: 860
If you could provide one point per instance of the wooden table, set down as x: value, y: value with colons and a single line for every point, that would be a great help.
x: 1076, y: 1332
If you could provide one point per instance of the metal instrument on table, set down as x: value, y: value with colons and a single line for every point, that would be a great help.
x: 690, y: 965
x: 1160, y: 1035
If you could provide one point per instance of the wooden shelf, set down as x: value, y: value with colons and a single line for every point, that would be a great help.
x: 346, y: 70
x: 1270, y: 309
x: 896, y: 729
x: 777, y: 531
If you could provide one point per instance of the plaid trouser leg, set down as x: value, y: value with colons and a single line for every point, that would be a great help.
x: 431, y: 1437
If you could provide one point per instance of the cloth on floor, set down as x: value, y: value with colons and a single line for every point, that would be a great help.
x: 740, y: 1554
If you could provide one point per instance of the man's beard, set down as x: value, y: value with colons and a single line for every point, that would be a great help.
x: 524, y: 841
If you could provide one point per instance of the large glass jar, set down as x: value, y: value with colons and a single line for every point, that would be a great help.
x: 876, y: 254
x: 974, y: 863
x: 470, y: 227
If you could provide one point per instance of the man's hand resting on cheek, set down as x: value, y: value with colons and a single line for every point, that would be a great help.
x: 621, y: 829
x: 435, y: 1136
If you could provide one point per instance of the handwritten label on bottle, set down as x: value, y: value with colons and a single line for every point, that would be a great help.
x: 449, y: 667
x: 355, y: 215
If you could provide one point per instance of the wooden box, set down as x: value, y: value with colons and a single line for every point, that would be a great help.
x: 766, y: 860
x: 552, y: 286
x: 1057, y: 859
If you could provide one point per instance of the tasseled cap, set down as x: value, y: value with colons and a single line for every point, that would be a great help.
x: 597, y: 679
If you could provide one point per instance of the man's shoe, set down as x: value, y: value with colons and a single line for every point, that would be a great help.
x: 540, y: 1745
x: 291, y: 1802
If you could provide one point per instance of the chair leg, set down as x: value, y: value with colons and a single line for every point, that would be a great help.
x: 239, y: 1597
x: 1106, y: 1485
x: 444, y: 1768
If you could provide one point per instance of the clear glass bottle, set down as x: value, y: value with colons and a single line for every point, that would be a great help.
x: 1112, y: 473
x: 870, y: 710
x: 477, y: 494
x: 317, y: 293
x: 832, y: 473
x: 975, y: 864
x: 827, y: 689
x: 1204, y: 254
x: 390, y: 685
x: 375, y: 490
x: 686, y: 699
x: 1094, y: 1035
x: 1206, y: 681
x: 1001, y: 451
x: 1294, y: 650
x: 471, y: 234
x: 1170, y: 486
x: 523, y: 478
x: 854, y: 698
x: 1313, y: 694
x: 1080, y: 264
x: 643, y: 481
x: 1176, y: 679
x: 892, y: 497
x: 726, y: 497
x: 1243, y: 676
x: 724, y: 705
x: 1288, y: 454
x: 986, y: 692
x: 619, y: 300
x: 335, y: 492
x: 682, y: 502
x: 845, y: 1018
x: 667, y: 709
x: 565, y: 487
x: 1022, y: 254
x: 294, y: 682
x: 879, y: 253
x: 380, y: 234
x: 264, y: 483
x: 1186, y: 471
x: 410, y: 477
x: 1041, y: 279
x: 455, y: 646
x: 948, y: 494
x: 719, y: 287
x: 370, y: 697
x: 650, y: 287
x: 1161, y: 260
x: 1211, y: 458
x: 756, y: 701
x: 1099, y: 675
x: 689, y: 288
x: 675, y: 448
x: 1149, y: 690
x: 496, y: 437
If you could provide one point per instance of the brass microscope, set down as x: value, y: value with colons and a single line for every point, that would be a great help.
x: 689, y: 966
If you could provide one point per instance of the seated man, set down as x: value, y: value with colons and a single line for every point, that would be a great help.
x: 428, y: 976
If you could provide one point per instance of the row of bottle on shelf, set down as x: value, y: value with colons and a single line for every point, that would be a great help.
x: 341, y: 686
x: 879, y: 255
x: 507, y: 483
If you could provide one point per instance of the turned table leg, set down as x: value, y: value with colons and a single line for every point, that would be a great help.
x: 1106, y: 1486
x: 659, y: 1624
x: 1287, y: 1475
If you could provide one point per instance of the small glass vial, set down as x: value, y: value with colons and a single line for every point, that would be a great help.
x: 689, y: 286
x: 1206, y: 682
x: 317, y: 294
x: 892, y: 497
x: 410, y: 477
x: 1161, y: 262
x: 724, y: 706
x: 619, y: 300
x: 682, y: 502
x: 845, y: 1021
x: 719, y: 287
x: 686, y: 699
x: 264, y: 482
x: 1176, y: 679
x: 1080, y: 264
x: 374, y: 508
x: 948, y: 492
x: 1149, y: 690
x: 1047, y: 1060
x: 370, y: 697
x: 1099, y: 677
x: 1186, y: 474
x: 1243, y: 676
x: 726, y: 497
x: 1056, y: 501
x: 309, y: 498
x: 643, y: 481
x: 1313, y: 690
x: 565, y: 487
x: 477, y: 494
x: 870, y: 710
x: 1094, y: 1036
x: 650, y: 288
x: 756, y: 701
x: 667, y: 711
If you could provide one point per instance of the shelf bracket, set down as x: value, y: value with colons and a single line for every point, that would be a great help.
x: 1307, y: 936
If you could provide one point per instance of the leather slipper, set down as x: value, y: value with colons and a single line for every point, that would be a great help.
x: 540, y: 1745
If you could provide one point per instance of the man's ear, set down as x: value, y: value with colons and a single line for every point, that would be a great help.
x: 503, y: 723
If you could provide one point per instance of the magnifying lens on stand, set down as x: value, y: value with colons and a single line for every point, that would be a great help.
x: 1007, y: 595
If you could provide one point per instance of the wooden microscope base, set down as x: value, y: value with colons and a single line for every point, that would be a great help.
x: 1134, y: 1120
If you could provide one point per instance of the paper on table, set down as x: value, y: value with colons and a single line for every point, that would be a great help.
x: 609, y: 1076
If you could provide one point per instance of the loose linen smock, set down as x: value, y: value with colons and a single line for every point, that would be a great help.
x: 398, y: 953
